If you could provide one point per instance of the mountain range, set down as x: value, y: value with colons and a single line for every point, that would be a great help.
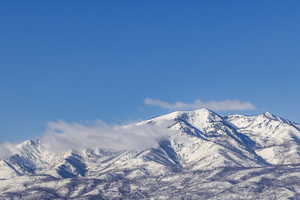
x: 206, y: 156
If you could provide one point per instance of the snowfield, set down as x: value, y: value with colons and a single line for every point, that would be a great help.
x: 207, y: 156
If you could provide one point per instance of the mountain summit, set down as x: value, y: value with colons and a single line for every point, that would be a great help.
x: 207, y: 156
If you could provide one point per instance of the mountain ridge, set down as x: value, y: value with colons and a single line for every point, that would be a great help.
x: 201, y: 141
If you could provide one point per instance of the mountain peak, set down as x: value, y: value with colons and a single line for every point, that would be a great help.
x: 266, y: 116
x: 202, y: 113
x: 271, y: 116
x: 27, y: 143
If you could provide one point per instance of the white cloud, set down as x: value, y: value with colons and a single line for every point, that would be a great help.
x: 213, y: 105
x: 62, y: 136
x: 6, y: 150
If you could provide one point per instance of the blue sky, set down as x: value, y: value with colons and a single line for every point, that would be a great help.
x: 82, y: 61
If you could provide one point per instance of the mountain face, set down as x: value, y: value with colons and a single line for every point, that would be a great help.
x: 207, y: 156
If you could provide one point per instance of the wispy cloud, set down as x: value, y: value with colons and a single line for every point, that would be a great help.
x: 226, y: 105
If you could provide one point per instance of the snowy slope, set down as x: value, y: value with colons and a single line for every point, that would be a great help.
x: 277, y: 139
x: 207, y: 155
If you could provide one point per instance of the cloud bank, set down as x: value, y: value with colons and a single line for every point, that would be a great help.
x: 62, y: 136
x: 7, y: 149
x: 227, y: 105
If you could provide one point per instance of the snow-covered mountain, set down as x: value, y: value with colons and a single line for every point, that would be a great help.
x: 207, y: 156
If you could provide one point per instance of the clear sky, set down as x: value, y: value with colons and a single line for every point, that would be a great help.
x: 88, y: 60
